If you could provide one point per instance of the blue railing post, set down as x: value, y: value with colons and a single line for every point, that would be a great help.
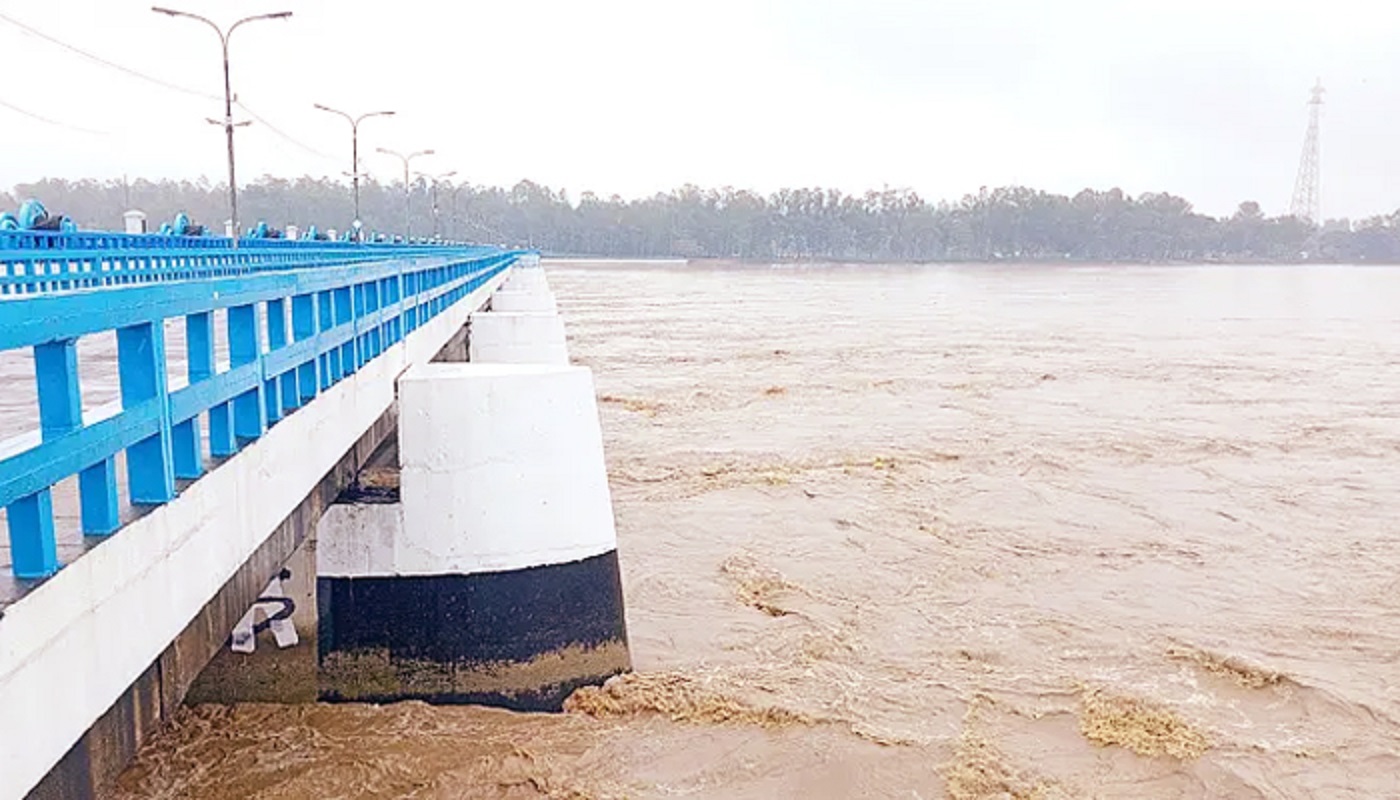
x: 189, y: 454
x: 395, y: 285
x: 276, y: 387
x: 386, y: 301
x: 33, y: 548
x: 376, y: 344
x: 330, y: 361
x: 97, y: 490
x: 303, y: 328
x: 362, y: 344
x: 33, y: 545
x: 61, y: 412
x: 150, y: 463
x: 345, y: 313
x: 376, y: 337
x: 410, y: 312
x: 245, y: 347
x: 199, y: 343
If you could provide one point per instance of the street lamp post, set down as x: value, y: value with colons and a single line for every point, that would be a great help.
x: 407, y: 196
x: 434, y: 179
x: 228, y: 98
x: 355, y: 150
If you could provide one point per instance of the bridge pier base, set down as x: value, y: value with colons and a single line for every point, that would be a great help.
x: 511, y: 337
x: 495, y: 579
x: 526, y: 277
x: 526, y: 289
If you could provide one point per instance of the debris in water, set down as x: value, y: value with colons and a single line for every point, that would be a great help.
x: 736, y: 475
x: 678, y: 697
x: 736, y: 472
x: 980, y: 771
x: 1250, y: 676
x: 648, y: 407
x: 521, y: 768
x: 1139, y: 725
x: 757, y: 586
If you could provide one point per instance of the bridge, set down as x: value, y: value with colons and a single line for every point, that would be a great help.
x: 373, y: 457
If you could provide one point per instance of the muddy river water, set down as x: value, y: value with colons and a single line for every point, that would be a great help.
x: 967, y: 532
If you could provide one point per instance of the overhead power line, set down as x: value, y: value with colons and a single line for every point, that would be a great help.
x: 149, y: 79
x: 281, y: 134
x: 105, y: 62
x: 47, y: 121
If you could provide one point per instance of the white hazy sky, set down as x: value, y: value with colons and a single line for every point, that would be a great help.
x: 1202, y: 98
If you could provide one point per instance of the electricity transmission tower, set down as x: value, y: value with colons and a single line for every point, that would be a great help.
x: 1307, y: 192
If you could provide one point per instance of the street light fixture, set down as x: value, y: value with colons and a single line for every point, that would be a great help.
x: 434, y: 184
x: 355, y: 148
x: 407, y: 196
x: 228, y: 97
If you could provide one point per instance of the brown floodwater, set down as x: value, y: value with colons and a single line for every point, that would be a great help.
x: 968, y: 532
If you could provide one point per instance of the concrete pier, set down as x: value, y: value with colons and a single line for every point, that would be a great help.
x: 512, y: 337
x: 522, y: 326
x: 434, y: 576
x: 495, y: 580
x: 524, y: 298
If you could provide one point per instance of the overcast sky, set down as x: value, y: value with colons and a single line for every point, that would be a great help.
x: 1202, y: 98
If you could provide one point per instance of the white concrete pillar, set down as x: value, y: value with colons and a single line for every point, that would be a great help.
x: 516, y: 337
x: 523, y: 300
x: 526, y: 279
x: 495, y: 580
x: 525, y: 289
x: 502, y: 468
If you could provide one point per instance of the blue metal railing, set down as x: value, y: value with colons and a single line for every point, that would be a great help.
x: 345, y: 302
x: 43, y: 261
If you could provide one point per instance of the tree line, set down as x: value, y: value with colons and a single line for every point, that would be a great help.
x: 1011, y: 223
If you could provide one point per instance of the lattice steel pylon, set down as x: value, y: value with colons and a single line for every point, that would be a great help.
x: 1307, y: 190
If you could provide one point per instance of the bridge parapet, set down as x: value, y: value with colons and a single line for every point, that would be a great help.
x: 47, y: 261
x: 297, y: 316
